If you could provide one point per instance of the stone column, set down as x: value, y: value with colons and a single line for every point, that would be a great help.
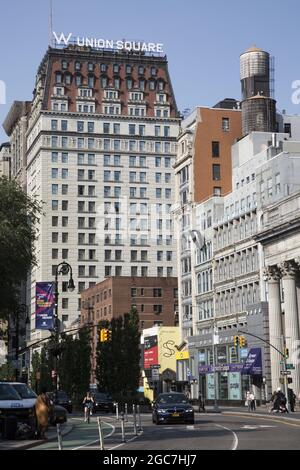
x: 272, y: 274
x: 292, y: 333
x: 297, y: 260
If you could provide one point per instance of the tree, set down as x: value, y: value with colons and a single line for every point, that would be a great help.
x: 36, y: 369
x: 19, y: 215
x: 7, y: 372
x: 118, y: 368
x: 82, y: 364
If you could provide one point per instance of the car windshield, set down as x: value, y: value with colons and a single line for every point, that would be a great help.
x: 7, y: 392
x: 101, y: 396
x: 24, y: 391
x: 170, y: 398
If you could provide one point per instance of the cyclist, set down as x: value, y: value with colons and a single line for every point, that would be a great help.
x: 88, y: 406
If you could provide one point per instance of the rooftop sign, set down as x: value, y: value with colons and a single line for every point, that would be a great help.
x: 99, y: 43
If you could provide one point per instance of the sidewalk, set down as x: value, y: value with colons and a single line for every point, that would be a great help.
x: 24, y: 444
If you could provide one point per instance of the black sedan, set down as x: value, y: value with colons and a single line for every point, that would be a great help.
x: 62, y: 399
x: 103, y: 402
x: 171, y: 408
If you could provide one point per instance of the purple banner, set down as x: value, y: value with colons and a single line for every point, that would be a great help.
x: 253, y: 363
x: 44, y: 305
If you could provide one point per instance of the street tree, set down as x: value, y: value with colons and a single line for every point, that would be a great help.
x: 19, y: 215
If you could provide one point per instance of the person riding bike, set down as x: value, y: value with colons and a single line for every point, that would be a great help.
x: 88, y: 406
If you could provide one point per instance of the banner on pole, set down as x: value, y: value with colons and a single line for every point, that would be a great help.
x: 44, y: 306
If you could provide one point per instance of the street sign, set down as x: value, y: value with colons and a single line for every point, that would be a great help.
x: 286, y: 372
x: 153, y: 366
x: 290, y: 366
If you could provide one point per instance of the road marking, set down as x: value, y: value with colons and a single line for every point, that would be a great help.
x: 97, y: 440
x: 235, y: 438
x: 123, y: 443
x: 190, y: 427
x: 278, y: 420
x: 257, y: 426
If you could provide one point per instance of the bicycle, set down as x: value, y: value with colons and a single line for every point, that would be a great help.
x: 88, y: 413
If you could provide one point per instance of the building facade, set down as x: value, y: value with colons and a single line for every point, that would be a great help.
x: 100, y: 146
x: 156, y: 300
x: 5, y: 160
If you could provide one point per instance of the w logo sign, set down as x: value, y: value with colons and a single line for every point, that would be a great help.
x: 2, y: 92
x: 62, y: 39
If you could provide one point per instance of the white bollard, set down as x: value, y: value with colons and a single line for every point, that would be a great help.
x: 123, y: 427
x: 59, y: 437
x: 126, y: 412
x: 134, y: 420
x: 139, y: 418
x: 101, y: 440
x: 117, y: 411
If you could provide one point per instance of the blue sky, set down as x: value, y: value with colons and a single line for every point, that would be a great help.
x: 202, y: 39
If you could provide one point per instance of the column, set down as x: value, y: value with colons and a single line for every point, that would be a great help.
x: 272, y: 274
x: 297, y: 260
x: 292, y: 334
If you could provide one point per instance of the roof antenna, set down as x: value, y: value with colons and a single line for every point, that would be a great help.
x: 51, y: 23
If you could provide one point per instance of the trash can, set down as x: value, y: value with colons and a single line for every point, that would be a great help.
x: 10, y: 426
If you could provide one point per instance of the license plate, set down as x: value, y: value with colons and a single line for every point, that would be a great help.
x: 175, y: 415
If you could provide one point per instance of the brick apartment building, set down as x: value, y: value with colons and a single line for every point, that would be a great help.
x: 156, y: 299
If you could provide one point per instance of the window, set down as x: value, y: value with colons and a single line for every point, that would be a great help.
x: 288, y: 129
x: 225, y: 124
x: 53, y: 124
x: 157, y: 131
x: 64, y: 205
x: 131, y: 129
x: 157, y: 309
x: 54, y: 157
x: 54, y: 237
x: 54, y: 173
x: 64, y: 157
x: 216, y: 172
x: 106, y: 128
x: 215, y: 149
x: 217, y: 191
x: 80, y: 126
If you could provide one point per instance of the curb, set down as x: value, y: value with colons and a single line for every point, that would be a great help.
x: 271, y: 417
x: 36, y: 443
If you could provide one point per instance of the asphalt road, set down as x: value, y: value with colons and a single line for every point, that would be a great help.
x: 210, y: 432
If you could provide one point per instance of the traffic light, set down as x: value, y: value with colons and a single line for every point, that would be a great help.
x: 286, y: 353
x: 236, y: 341
x: 242, y: 341
x: 105, y: 335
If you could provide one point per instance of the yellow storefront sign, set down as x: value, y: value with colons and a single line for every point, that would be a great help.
x: 181, y: 355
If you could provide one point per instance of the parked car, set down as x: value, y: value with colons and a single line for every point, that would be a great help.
x: 62, y: 399
x: 13, y: 410
x: 103, y: 402
x: 172, y: 407
x: 58, y: 413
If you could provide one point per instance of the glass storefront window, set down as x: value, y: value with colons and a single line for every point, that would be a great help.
x: 234, y: 381
x: 202, y: 357
x: 210, y: 358
x: 210, y: 380
x: 233, y: 355
x: 223, y: 385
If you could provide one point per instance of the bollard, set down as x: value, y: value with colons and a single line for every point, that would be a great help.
x: 134, y: 420
x: 126, y: 412
x: 123, y: 427
x: 117, y: 411
x: 139, y: 418
x: 59, y: 438
x: 100, y: 434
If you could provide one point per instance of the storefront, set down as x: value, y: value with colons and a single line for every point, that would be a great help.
x: 236, y: 371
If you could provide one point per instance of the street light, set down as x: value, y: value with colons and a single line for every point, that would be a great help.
x: 62, y: 268
x: 21, y: 313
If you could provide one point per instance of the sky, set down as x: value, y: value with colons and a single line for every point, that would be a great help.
x: 202, y: 40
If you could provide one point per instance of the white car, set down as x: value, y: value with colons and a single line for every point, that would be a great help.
x: 27, y: 394
x: 13, y: 407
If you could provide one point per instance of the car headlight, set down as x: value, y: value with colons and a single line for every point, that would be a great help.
x: 189, y: 410
x: 161, y: 410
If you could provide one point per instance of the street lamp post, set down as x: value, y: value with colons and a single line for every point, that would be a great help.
x: 21, y: 312
x: 62, y: 268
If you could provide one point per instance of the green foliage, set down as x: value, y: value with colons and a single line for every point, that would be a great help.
x: 35, y: 368
x: 18, y: 217
x: 7, y: 372
x: 118, y: 369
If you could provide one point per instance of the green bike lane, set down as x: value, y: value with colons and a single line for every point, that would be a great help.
x: 82, y: 435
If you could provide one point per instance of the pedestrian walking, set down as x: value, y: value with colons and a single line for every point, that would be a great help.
x: 42, y: 411
x: 248, y: 401
x: 291, y: 399
x: 252, y: 401
x: 201, y: 403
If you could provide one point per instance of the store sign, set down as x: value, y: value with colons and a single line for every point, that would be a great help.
x: 181, y: 355
x: 100, y: 43
x: 44, y: 306
x: 210, y: 387
x: 220, y: 368
x: 234, y: 386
